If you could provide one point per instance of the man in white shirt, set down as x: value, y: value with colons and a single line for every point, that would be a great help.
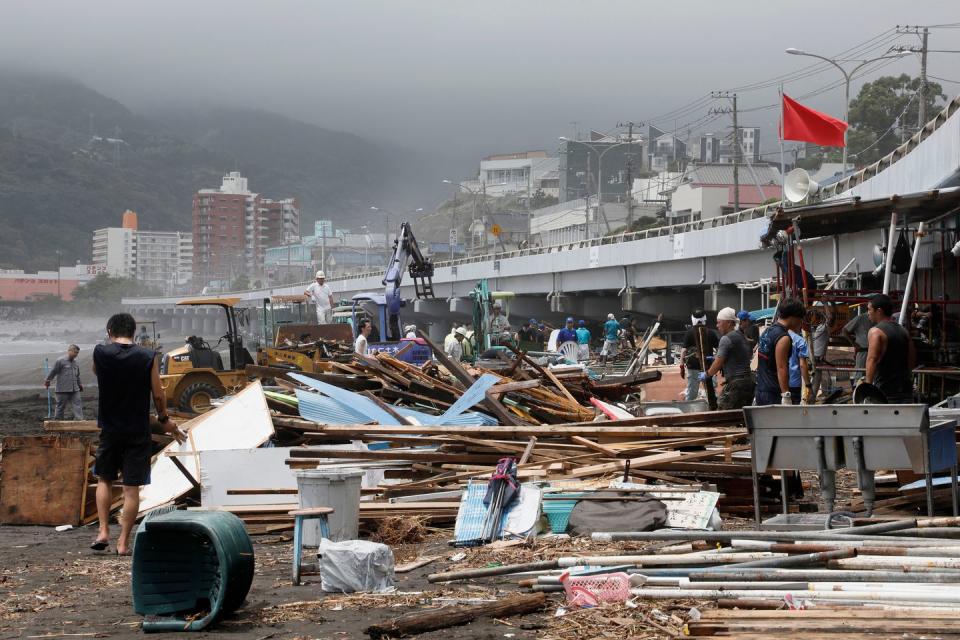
x: 360, y: 344
x: 455, y: 347
x: 322, y: 297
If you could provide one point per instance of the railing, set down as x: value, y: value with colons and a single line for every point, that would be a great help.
x: 891, y: 158
x: 669, y: 230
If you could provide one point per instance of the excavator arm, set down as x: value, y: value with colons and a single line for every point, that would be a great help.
x: 406, y: 257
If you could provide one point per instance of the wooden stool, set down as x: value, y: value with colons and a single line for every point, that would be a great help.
x: 299, y: 515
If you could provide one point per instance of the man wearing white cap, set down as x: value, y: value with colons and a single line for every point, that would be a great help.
x: 455, y: 347
x: 733, y: 357
x: 322, y: 297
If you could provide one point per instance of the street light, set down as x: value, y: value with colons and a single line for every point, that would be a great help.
x: 847, y: 75
x: 600, y: 171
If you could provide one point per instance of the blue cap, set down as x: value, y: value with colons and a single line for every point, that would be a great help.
x: 533, y: 321
x: 569, y: 320
x: 583, y: 323
x: 743, y: 315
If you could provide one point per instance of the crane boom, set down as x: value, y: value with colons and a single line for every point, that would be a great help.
x: 406, y: 257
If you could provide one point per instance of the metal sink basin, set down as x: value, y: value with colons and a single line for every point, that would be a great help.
x: 862, y: 437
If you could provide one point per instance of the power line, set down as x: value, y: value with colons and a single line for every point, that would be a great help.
x: 944, y: 79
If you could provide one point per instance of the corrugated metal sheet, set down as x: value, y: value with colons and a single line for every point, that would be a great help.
x: 722, y: 174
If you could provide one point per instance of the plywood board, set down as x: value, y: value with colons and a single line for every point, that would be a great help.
x: 243, y: 422
x: 263, y: 468
x: 43, y: 479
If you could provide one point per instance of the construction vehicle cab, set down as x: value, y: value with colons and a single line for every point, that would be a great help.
x: 483, y: 301
x: 196, y: 373
x: 292, y: 340
x: 386, y: 336
x: 147, y: 335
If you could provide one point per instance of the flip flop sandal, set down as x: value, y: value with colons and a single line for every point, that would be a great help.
x: 100, y: 545
x: 126, y: 553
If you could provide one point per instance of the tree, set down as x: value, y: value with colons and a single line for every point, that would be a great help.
x: 240, y: 283
x: 883, y: 110
x: 539, y: 199
x: 108, y: 290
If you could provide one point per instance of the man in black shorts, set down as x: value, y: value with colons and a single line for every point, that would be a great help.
x: 127, y: 375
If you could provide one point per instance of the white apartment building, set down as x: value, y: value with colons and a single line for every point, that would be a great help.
x: 164, y: 259
x: 115, y: 248
x: 516, y: 173
x: 159, y: 259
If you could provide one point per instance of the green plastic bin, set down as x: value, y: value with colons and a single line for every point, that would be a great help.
x: 189, y: 568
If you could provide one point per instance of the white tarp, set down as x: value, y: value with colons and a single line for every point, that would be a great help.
x: 243, y: 422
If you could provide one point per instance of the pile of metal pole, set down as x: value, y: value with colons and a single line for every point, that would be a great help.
x: 902, y: 562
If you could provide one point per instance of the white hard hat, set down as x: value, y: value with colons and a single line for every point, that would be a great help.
x: 610, y: 316
x: 497, y: 305
x: 727, y: 313
x: 320, y: 275
x: 461, y: 332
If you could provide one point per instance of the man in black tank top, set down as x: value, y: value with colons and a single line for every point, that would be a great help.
x: 127, y: 376
x: 891, y: 356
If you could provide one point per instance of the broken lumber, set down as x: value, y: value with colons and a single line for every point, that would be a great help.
x: 423, y: 621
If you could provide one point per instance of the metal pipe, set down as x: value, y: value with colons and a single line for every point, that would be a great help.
x: 799, y: 560
x: 788, y: 536
x: 703, y: 270
x: 888, y: 263
x: 880, y: 527
x: 861, y: 547
x: 668, y: 560
x: 492, y: 571
x: 910, y: 275
x: 943, y: 595
x: 884, y: 562
x: 845, y: 575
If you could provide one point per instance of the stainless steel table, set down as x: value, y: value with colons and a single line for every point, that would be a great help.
x: 824, y: 438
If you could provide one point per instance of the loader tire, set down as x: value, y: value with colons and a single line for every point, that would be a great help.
x: 197, y: 397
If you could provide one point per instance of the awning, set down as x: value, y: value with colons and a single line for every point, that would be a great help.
x: 850, y: 215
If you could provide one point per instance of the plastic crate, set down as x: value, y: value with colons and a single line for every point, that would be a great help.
x: 589, y: 591
x: 558, y: 511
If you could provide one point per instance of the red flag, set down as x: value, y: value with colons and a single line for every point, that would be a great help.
x: 806, y: 125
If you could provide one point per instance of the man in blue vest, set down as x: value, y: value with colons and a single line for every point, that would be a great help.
x: 773, y: 368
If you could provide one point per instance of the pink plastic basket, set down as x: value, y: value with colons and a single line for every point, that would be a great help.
x: 589, y: 591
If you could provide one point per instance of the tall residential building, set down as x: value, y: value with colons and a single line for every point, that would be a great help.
x: 159, y: 259
x: 232, y: 227
x: 116, y: 249
x: 164, y: 258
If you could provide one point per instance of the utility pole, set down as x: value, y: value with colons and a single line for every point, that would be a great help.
x: 922, y: 117
x: 629, y: 192
x: 736, y: 142
x: 924, y: 34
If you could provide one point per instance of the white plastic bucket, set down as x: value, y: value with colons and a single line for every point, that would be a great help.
x: 335, y: 488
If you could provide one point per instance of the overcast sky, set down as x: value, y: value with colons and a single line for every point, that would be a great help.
x: 470, y: 78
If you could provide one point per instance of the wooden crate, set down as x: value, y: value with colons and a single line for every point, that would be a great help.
x: 43, y: 479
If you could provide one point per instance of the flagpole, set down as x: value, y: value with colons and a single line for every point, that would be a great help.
x: 783, y: 178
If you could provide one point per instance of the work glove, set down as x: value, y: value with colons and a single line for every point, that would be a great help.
x: 786, y: 399
x: 683, y: 372
x: 704, y: 376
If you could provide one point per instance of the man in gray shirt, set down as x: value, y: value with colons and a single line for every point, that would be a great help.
x: 733, y: 356
x: 68, y: 387
x: 856, y: 331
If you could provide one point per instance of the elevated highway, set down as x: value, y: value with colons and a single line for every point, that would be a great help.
x: 668, y: 269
